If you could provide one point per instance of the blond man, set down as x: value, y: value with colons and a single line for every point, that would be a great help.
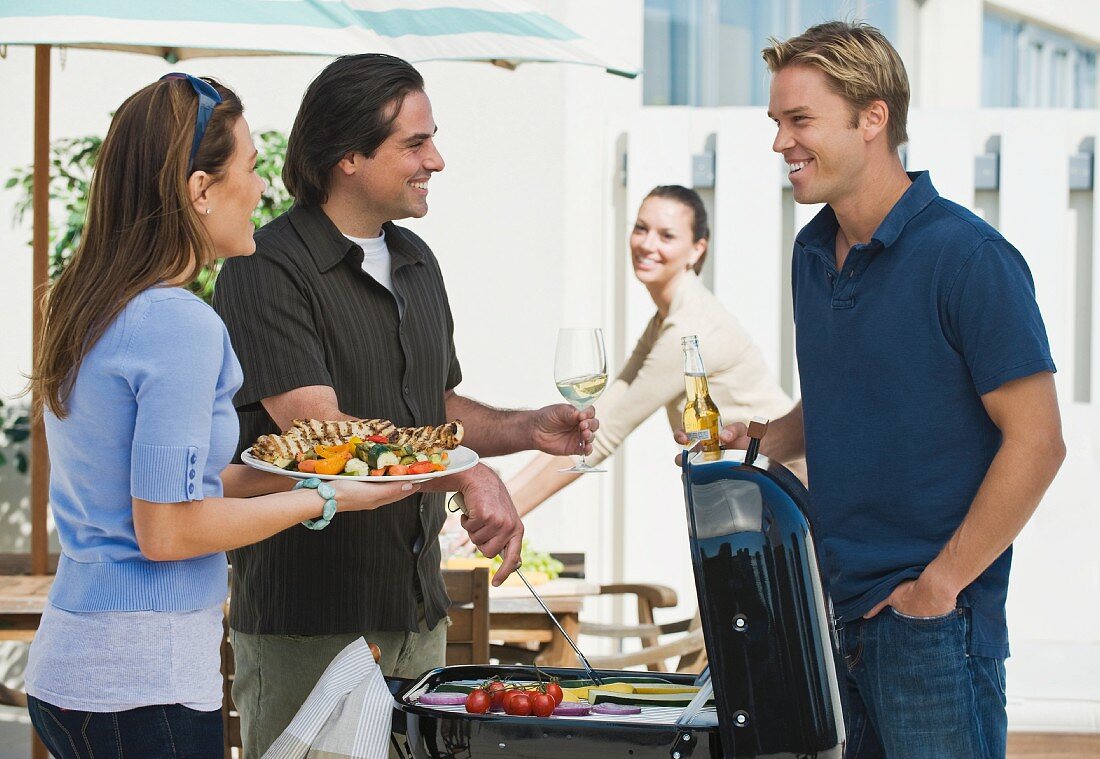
x: 928, y: 415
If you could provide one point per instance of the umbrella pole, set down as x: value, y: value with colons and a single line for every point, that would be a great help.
x: 40, y: 472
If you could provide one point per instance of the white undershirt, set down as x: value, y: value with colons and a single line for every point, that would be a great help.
x: 376, y: 262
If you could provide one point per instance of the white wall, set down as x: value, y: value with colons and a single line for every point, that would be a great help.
x: 1076, y: 18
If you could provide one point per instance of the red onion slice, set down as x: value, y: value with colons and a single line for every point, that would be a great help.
x: 616, y: 710
x: 442, y: 699
x: 571, y: 709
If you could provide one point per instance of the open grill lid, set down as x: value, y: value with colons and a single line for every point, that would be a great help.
x: 765, y: 614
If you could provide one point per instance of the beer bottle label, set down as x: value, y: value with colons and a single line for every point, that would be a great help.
x: 699, y: 435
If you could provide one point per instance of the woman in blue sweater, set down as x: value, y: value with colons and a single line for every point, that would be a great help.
x: 135, y: 377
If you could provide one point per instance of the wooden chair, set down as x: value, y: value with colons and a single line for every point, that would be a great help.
x: 689, y: 647
x: 468, y: 634
x: 231, y: 719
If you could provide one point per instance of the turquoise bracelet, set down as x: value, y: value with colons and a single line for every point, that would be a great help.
x: 328, y: 493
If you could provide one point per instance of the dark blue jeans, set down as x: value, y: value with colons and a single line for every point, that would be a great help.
x: 913, y: 692
x: 171, y: 732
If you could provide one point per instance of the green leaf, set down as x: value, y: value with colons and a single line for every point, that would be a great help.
x: 22, y: 463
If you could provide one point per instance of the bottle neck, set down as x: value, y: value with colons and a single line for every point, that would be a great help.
x: 693, y: 360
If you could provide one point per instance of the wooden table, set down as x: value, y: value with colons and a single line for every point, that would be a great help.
x: 515, y: 617
x: 22, y: 600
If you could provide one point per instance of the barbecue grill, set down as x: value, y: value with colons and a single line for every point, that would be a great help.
x: 771, y: 687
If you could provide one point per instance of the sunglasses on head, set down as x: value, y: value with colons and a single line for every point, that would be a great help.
x: 208, y: 98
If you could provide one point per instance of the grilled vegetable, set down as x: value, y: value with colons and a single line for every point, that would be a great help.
x: 356, y: 468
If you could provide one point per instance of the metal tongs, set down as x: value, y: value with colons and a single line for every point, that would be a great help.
x: 459, y: 504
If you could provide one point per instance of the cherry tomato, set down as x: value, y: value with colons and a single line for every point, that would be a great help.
x: 542, y: 704
x: 497, y: 689
x: 554, y: 691
x: 518, y: 705
x: 477, y: 702
x: 307, y: 465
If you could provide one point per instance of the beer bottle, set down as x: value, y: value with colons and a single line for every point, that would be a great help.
x: 701, y: 418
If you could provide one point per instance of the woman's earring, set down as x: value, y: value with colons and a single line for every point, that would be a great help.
x: 207, y: 211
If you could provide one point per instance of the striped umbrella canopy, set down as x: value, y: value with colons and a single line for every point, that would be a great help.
x: 503, y: 32
x: 500, y: 31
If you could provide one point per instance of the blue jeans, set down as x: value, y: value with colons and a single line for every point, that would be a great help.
x: 911, y: 690
x: 171, y: 732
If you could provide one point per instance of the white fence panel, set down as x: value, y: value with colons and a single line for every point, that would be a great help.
x: 748, y: 266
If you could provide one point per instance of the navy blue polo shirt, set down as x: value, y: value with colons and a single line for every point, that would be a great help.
x: 894, y: 354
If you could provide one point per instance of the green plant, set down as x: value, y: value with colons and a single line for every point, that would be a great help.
x: 71, y: 163
x: 15, y: 426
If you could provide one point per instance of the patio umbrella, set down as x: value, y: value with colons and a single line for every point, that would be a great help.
x: 503, y: 32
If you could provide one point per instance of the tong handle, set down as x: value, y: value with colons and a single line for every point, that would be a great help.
x: 758, y: 427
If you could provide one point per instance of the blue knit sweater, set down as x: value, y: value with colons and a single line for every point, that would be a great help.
x: 151, y: 417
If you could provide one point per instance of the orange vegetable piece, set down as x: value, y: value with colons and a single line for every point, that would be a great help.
x: 421, y: 467
x: 307, y: 465
x: 335, y: 451
x: 331, y: 465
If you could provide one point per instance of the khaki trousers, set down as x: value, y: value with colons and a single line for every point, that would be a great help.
x: 275, y: 673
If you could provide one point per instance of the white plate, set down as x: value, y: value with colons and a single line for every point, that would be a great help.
x: 458, y: 460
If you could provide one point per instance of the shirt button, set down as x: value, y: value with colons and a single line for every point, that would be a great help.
x: 191, y: 489
x: 407, y: 391
x: 191, y: 474
x: 194, y: 458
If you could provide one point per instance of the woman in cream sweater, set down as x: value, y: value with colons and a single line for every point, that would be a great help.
x: 667, y: 247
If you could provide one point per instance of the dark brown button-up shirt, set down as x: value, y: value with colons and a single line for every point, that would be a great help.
x: 300, y: 312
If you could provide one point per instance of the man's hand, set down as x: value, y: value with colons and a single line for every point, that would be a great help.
x: 735, y: 435
x: 919, y: 598
x: 561, y: 430
x: 491, y: 519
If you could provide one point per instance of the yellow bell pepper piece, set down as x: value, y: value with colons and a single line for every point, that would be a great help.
x: 335, y: 451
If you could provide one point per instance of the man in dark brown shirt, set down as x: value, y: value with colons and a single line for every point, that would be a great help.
x: 340, y: 314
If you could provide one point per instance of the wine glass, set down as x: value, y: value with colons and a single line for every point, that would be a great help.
x: 580, y: 372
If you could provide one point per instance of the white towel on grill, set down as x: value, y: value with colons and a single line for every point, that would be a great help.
x: 348, y: 714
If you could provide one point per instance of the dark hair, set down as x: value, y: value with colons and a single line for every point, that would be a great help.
x: 689, y: 198
x: 349, y: 108
x: 141, y: 227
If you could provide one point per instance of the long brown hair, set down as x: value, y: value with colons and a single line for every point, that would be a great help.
x: 141, y: 228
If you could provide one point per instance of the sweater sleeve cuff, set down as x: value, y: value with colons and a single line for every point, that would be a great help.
x: 166, y: 473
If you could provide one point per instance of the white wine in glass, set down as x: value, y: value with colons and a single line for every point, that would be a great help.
x: 580, y: 372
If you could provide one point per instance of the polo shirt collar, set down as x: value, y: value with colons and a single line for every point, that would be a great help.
x: 820, y: 233
x: 329, y: 246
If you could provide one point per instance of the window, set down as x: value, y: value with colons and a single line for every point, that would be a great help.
x: 1026, y: 66
x: 707, y: 52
